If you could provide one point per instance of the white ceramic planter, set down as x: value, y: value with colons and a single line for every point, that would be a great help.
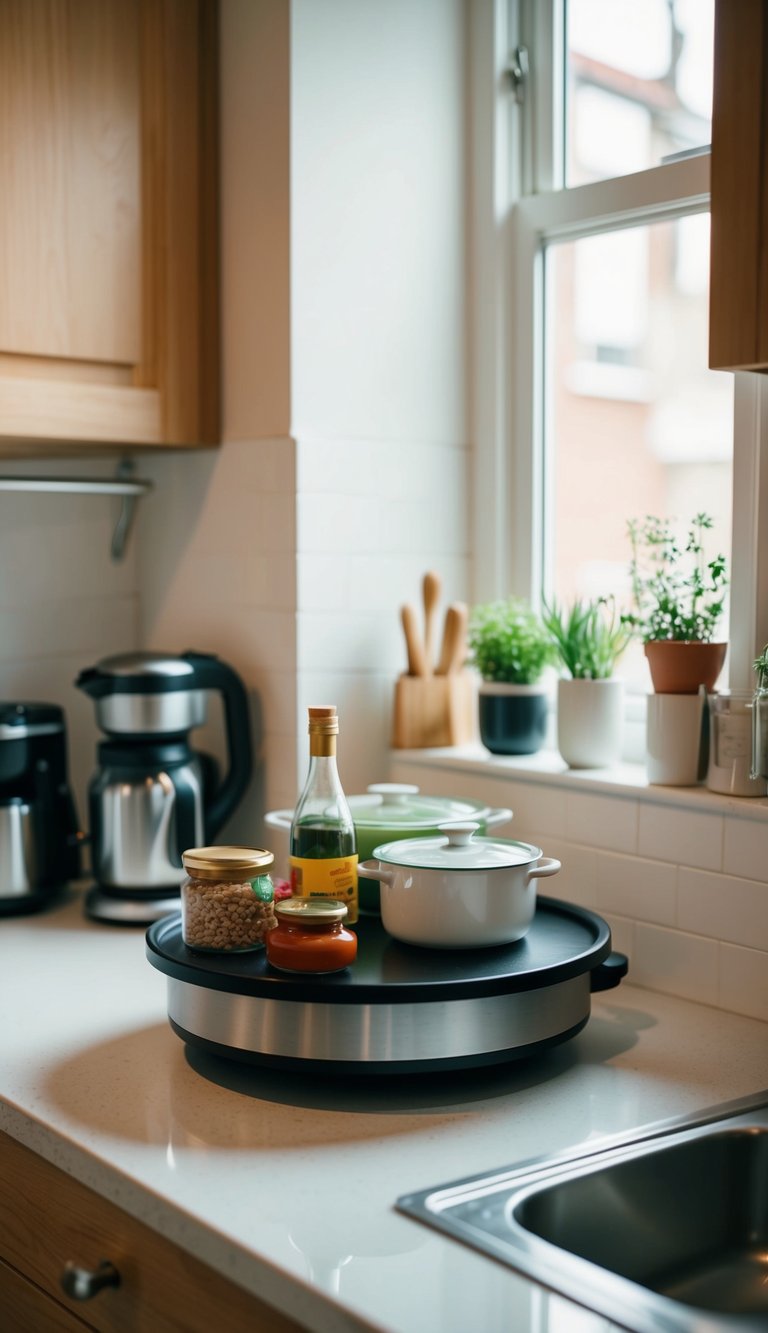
x: 590, y: 722
x: 458, y: 891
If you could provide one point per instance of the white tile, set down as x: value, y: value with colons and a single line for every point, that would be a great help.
x: 724, y: 907
x: 377, y: 468
x: 744, y: 981
x: 746, y: 848
x: 92, y: 626
x: 334, y: 582
x: 602, y: 821
x: 683, y: 837
x: 575, y: 882
x: 249, y: 641
x: 57, y: 549
x: 635, y: 887
x: 210, y: 580
x: 538, y: 809
x: 623, y: 938
x: 338, y: 642
x: 276, y: 691
x: 364, y: 704
x: 675, y: 962
x: 383, y: 528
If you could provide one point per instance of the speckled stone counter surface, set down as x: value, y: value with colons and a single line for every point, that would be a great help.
x: 287, y: 1183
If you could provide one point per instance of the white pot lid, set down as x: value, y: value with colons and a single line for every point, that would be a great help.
x: 457, y: 849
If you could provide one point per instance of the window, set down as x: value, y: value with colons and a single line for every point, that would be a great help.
x: 595, y: 402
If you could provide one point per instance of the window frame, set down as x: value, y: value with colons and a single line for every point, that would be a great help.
x: 515, y: 211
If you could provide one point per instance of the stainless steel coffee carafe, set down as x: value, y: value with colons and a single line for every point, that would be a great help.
x: 153, y: 796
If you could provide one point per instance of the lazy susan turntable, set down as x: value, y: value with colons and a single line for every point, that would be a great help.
x: 400, y: 1008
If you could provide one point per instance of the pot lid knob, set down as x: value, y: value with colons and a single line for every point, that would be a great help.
x: 459, y: 835
x: 393, y: 793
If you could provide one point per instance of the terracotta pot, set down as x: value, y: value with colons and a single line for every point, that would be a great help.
x: 680, y: 667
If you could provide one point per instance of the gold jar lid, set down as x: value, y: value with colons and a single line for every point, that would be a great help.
x: 227, y: 863
x: 317, y: 911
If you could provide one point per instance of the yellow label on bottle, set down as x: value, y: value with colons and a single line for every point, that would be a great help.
x: 326, y: 877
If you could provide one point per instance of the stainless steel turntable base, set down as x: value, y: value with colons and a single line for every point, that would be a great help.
x: 400, y: 1008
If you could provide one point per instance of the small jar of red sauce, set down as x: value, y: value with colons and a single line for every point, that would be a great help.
x: 310, y: 937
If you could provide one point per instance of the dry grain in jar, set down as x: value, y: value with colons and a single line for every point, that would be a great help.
x: 227, y: 900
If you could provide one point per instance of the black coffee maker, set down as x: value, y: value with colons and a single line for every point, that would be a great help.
x: 153, y: 796
x: 39, y: 833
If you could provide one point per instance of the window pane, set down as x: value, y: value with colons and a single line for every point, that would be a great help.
x: 636, y: 423
x: 639, y: 83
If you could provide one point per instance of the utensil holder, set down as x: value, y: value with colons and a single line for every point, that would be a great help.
x: 434, y: 710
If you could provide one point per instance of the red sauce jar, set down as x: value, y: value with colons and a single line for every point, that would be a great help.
x: 309, y: 936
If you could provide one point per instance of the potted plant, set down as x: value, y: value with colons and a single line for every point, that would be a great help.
x: 588, y: 639
x: 678, y: 600
x: 510, y: 647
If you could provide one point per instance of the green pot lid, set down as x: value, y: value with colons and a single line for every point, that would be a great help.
x: 389, y: 805
x: 457, y: 848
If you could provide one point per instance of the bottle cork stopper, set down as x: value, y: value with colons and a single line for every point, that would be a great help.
x: 323, y: 720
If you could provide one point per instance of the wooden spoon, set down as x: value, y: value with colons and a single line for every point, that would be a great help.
x: 417, y: 662
x: 431, y: 590
x: 453, y: 649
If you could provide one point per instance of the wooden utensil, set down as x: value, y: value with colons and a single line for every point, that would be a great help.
x: 453, y: 649
x: 431, y: 589
x: 417, y: 661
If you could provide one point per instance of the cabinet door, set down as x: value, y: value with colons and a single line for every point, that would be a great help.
x: 47, y: 1218
x: 738, y: 323
x: 26, y: 1309
x: 108, y: 236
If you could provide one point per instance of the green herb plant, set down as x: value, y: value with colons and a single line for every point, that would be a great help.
x: 509, y: 642
x: 588, y: 638
x: 677, y: 593
x: 760, y: 665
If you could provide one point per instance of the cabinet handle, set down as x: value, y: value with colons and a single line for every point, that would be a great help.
x: 82, y: 1284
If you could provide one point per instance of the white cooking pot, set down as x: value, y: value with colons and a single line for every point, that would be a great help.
x: 458, y: 891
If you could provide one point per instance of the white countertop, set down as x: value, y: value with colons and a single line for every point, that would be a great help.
x: 286, y: 1183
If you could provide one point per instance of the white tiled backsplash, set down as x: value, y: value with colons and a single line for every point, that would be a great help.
x: 684, y: 890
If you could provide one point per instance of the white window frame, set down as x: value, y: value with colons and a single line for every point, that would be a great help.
x: 514, y: 213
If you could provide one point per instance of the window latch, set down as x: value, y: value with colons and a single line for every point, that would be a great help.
x: 517, y: 72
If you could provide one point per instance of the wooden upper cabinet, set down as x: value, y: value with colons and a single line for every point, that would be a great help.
x: 738, y: 323
x: 109, y: 324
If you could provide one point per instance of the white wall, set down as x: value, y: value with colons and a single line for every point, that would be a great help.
x: 63, y: 602
x: 290, y: 550
x: 378, y: 325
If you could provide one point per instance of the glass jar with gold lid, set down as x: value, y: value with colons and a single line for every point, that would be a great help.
x: 227, y: 899
x: 310, y: 936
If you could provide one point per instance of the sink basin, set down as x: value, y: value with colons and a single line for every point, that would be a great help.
x: 665, y: 1230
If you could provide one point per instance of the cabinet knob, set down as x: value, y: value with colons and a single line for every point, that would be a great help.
x: 82, y: 1284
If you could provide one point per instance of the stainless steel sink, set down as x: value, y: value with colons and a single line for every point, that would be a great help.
x: 662, y: 1232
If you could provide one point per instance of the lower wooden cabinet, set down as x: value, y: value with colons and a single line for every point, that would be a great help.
x: 24, y: 1308
x: 48, y: 1220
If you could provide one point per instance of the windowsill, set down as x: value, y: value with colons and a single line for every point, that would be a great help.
x: 548, y: 769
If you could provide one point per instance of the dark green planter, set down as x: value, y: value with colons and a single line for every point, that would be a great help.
x: 513, y: 718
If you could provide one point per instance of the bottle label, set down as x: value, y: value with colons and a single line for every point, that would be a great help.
x: 326, y: 877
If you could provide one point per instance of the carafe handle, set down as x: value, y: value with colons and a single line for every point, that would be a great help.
x: 213, y: 674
